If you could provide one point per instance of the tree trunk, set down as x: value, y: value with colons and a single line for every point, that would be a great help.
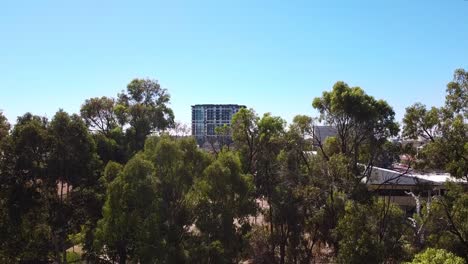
x: 122, y: 257
x: 282, y: 252
x: 272, y: 231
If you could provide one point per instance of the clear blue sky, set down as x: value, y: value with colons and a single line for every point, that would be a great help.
x: 273, y: 56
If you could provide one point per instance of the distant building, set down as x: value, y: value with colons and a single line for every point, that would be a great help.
x: 206, y: 117
x: 321, y: 133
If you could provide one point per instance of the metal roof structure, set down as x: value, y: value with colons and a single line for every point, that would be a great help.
x: 381, y: 176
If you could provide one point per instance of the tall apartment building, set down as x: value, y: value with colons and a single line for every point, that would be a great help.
x: 206, y: 117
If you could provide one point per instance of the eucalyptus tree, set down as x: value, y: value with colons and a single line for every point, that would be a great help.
x: 73, y: 167
x: 371, y: 233
x: 280, y: 160
x: 222, y: 201
x: 99, y: 114
x: 457, y: 93
x: 48, y: 173
x: 121, y: 125
x: 245, y: 135
x: 362, y: 124
x: 24, y: 192
x: 101, y: 118
x: 144, y: 106
x: 129, y: 227
x: 177, y: 164
x: 295, y: 198
x: 446, y: 224
x: 445, y: 130
x: 152, y: 189
x: 4, y: 126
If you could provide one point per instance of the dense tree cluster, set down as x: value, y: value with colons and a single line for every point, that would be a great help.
x: 444, y: 128
x: 115, y: 183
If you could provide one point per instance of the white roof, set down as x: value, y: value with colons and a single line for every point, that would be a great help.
x: 433, y: 177
x: 438, y: 177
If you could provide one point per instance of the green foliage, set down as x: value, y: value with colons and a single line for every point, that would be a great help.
x: 258, y: 142
x: 457, y: 93
x: 99, y: 114
x: 112, y: 147
x: 122, y: 124
x: 436, y: 256
x: 130, y: 214
x: 269, y: 145
x: 444, y: 129
x: 269, y: 199
x: 4, y: 126
x: 245, y: 135
x: 72, y: 158
x: 72, y: 166
x: 25, y: 231
x: 222, y: 200
x: 48, y: 184
x: 111, y: 172
x: 448, y: 227
x: 363, y: 125
x: 386, y: 156
x: 421, y: 122
x: 303, y: 125
x: 146, y: 215
x: 347, y: 107
x: 370, y: 233
x: 259, y: 243
x: 177, y: 163
x: 144, y: 106
x: 73, y: 257
x: 223, y: 136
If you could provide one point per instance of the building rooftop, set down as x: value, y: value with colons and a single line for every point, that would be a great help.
x: 214, y: 105
x: 408, y: 177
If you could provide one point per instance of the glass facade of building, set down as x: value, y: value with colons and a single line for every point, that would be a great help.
x: 206, y: 117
